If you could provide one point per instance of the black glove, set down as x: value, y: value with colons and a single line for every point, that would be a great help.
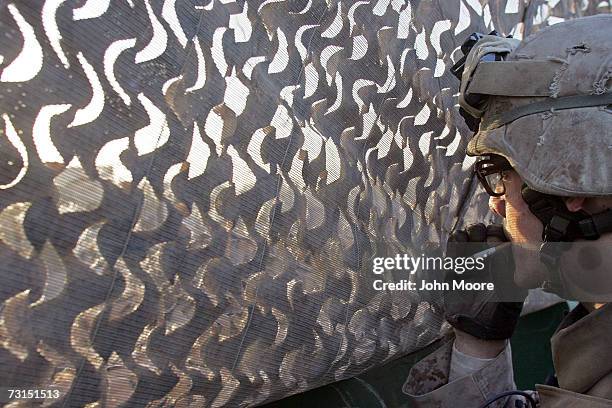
x: 480, y: 313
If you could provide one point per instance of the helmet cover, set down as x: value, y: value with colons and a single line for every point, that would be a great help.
x: 549, y: 112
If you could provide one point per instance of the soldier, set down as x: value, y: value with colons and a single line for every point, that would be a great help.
x: 543, y: 114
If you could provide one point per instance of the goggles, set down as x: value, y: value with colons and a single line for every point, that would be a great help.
x: 458, y: 68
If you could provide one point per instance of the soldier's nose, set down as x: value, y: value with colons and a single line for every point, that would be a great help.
x: 498, y: 206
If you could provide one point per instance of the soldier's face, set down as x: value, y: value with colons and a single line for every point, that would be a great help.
x: 524, y: 229
x: 521, y: 227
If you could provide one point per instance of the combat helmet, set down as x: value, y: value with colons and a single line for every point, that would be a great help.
x: 544, y: 107
x: 549, y: 107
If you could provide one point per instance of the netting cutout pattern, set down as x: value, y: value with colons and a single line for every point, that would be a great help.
x: 191, y: 191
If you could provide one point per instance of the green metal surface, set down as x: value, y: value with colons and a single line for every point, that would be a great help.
x: 531, y: 346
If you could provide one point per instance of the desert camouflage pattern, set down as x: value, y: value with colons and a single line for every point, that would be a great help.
x: 579, y: 352
x: 561, y: 152
x: 191, y: 191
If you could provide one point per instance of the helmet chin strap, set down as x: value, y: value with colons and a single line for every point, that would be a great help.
x: 561, y: 227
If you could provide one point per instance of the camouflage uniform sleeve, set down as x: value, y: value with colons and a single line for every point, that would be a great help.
x: 427, y: 383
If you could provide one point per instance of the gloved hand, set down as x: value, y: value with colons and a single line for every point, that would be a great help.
x: 480, y: 313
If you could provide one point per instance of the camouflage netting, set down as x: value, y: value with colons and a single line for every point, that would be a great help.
x: 191, y: 191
